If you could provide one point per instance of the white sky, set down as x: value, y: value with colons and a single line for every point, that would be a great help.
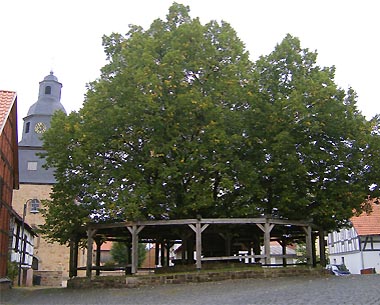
x: 65, y: 36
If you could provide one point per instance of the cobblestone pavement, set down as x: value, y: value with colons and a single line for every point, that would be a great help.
x: 353, y: 289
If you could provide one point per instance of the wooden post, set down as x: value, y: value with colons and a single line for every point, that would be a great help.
x: 267, y: 243
x: 190, y: 250
x: 135, y: 246
x: 184, y: 248
x: 90, y: 241
x: 129, y: 254
x: 313, y: 252
x: 168, y: 245
x: 98, y: 253
x: 157, y: 254
x: 256, y: 247
x: 134, y: 230
x: 162, y: 253
x: 267, y: 228
x: 283, y: 244
x: 73, y: 267
x: 322, y: 247
x: 227, y: 242
x: 198, y: 229
x: 198, y: 244
x: 309, y: 249
x: 71, y: 259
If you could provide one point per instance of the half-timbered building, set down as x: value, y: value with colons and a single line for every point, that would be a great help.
x: 358, y: 247
x: 9, y: 179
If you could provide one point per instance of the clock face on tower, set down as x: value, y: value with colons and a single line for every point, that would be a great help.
x: 40, y: 127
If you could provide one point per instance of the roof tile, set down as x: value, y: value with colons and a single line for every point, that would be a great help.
x: 368, y: 224
x: 7, y: 99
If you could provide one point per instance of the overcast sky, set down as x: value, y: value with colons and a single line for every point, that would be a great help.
x: 65, y: 36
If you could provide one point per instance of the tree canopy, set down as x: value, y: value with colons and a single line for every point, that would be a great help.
x: 182, y: 123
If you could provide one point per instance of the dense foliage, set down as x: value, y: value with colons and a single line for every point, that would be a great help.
x: 181, y: 123
x: 120, y: 253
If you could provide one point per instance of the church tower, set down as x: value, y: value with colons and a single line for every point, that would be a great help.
x: 50, y: 260
x: 35, y: 124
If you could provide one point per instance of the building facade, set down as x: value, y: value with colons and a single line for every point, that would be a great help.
x: 22, y: 249
x: 9, y: 179
x: 36, y: 182
x: 358, y: 247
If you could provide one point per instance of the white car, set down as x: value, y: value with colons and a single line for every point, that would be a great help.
x: 338, y: 270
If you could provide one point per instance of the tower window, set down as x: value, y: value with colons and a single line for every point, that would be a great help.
x: 27, y: 127
x: 47, y: 90
x: 34, y: 205
x: 32, y: 166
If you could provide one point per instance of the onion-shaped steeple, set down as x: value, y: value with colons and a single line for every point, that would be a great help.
x: 40, y: 113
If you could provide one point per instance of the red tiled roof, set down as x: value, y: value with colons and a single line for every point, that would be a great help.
x: 368, y: 224
x: 106, y: 246
x: 7, y: 99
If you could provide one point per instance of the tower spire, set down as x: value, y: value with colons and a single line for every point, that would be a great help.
x: 41, y: 112
x: 36, y: 122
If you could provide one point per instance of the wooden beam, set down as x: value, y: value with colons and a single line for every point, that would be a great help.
x: 232, y: 257
x: 202, y: 221
x: 90, y: 241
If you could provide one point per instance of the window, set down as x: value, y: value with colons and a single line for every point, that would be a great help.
x: 34, y: 206
x: 32, y: 165
x: 17, y: 238
x: 47, y: 90
x: 35, y: 263
x: 331, y: 236
x: 27, y: 127
x: 342, y: 234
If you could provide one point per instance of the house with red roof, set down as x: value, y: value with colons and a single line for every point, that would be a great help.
x: 16, y: 236
x: 358, y: 247
x: 9, y: 179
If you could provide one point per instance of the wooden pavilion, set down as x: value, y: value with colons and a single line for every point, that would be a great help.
x: 211, y: 239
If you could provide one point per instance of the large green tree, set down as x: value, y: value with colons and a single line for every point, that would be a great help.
x: 305, y: 140
x: 157, y: 134
x: 181, y: 123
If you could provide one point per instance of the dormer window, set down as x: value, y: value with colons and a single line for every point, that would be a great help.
x: 47, y: 90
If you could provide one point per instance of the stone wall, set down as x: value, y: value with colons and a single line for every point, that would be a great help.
x: 195, y: 277
x: 50, y: 256
x: 48, y: 278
